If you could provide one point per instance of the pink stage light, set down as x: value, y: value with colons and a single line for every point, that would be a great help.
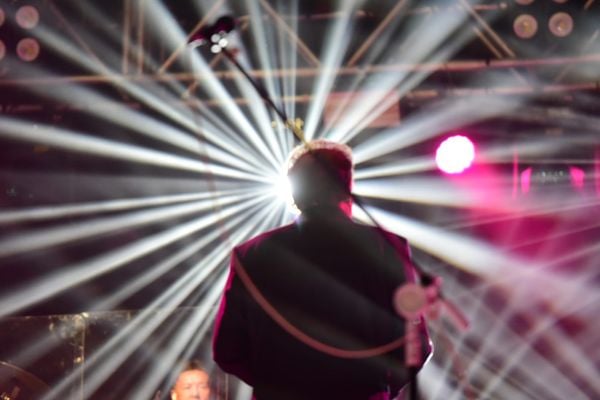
x: 577, y: 177
x: 526, y: 180
x: 455, y: 154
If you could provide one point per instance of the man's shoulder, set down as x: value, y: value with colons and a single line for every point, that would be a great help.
x: 394, y: 237
x: 382, y: 234
x: 264, y: 238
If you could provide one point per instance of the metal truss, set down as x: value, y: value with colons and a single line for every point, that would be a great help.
x: 144, y: 59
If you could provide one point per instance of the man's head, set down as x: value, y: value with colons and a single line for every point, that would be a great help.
x: 192, y: 383
x: 321, y: 175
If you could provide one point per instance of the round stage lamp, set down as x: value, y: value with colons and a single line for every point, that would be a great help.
x: 27, y: 17
x: 455, y: 154
x: 525, y: 26
x: 561, y: 24
x: 28, y: 49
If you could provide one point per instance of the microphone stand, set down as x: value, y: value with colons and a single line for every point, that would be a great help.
x: 413, y: 391
x: 413, y: 356
x: 413, y: 349
x: 225, y: 25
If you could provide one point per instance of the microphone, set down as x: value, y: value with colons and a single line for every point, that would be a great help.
x: 215, y: 34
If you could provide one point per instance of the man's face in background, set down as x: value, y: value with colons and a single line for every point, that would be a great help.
x: 191, y: 385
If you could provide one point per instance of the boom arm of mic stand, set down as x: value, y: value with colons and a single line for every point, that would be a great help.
x: 265, y: 96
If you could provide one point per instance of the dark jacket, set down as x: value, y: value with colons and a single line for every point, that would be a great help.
x: 331, y: 278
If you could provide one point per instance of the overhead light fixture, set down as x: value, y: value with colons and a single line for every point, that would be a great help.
x: 27, y: 17
x: 561, y: 24
x: 28, y: 49
x: 525, y: 26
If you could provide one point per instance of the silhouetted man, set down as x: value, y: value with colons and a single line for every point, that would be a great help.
x: 327, y: 283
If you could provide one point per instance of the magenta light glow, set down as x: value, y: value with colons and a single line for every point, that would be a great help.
x: 526, y: 180
x: 577, y: 177
x: 455, y: 154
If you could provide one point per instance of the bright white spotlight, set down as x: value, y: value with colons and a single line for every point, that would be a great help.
x: 28, y: 49
x: 455, y: 154
x: 282, y: 188
x: 27, y: 17
x: 223, y: 42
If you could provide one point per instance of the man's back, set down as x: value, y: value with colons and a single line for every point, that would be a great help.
x: 332, y: 279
